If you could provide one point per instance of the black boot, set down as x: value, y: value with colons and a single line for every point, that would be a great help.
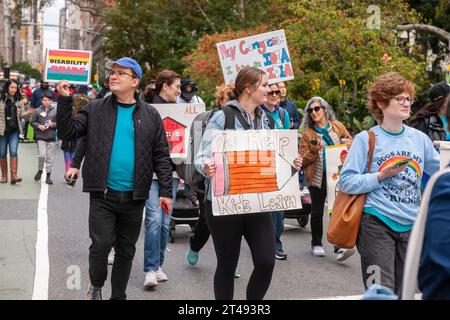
x: 38, y: 175
x: 48, y: 180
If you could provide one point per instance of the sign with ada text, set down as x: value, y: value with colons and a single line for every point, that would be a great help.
x: 266, y: 51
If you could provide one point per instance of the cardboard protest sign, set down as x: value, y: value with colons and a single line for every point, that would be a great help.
x: 177, y: 119
x: 71, y: 65
x: 266, y: 51
x: 254, y: 171
x: 335, y: 157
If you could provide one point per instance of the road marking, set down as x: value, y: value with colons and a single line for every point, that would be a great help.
x: 41, y: 274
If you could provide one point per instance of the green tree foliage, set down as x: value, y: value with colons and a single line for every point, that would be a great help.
x: 335, y: 54
x: 27, y: 69
x: 159, y: 33
x: 16, y: 12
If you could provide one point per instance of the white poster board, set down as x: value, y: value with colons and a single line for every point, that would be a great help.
x: 267, y: 51
x: 177, y: 119
x: 254, y: 171
x: 335, y: 157
x: 75, y: 66
x: 444, y: 150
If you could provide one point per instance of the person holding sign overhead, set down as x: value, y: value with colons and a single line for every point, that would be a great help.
x: 251, y: 88
x: 126, y: 142
x: 320, y: 129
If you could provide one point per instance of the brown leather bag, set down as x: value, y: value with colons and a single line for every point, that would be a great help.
x: 347, y: 212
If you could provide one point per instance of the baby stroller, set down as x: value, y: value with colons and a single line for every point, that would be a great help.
x: 302, y: 215
x: 184, y: 212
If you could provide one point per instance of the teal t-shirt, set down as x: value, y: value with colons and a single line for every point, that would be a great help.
x: 121, y: 165
x: 447, y: 132
x: 279, y: 124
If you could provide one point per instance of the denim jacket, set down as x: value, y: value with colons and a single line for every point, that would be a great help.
x: 217, y: 122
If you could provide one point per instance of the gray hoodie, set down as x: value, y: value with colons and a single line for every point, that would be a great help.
x: 40, y: 116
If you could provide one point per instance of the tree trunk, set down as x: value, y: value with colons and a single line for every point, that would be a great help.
x: 241, y: 10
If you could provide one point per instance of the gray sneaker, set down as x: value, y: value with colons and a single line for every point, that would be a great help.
x: 93, y: 293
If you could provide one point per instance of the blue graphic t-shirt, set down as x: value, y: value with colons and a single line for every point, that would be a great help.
x: 447, y: 132
x: 397, y: 197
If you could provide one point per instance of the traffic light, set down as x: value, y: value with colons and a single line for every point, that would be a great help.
x: 6, y: 71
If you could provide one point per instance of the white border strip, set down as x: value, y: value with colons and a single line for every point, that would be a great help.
x: 41, y: 274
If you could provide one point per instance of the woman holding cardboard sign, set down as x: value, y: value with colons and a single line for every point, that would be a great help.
x: 320, y: 129
x: 400, y: 157
x: 251, y: 88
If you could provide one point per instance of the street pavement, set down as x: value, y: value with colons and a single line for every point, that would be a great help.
x: 301, y: 276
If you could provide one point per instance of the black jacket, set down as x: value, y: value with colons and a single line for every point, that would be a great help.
x: 97, y: 121
x: 432, y: 126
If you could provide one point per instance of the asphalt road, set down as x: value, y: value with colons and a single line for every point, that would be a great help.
x: 301, y: 276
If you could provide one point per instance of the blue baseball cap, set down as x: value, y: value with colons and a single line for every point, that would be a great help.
x: 126, y: 63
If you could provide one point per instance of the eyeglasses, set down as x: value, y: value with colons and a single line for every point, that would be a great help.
x: 315, y: 109
x: 276, y: 92
x: 120, y: 74
x: 403, y: 100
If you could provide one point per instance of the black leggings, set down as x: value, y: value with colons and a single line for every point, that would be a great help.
x: 227, y: 232
x: 318, y: 196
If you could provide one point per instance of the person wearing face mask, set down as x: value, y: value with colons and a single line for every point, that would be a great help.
x: 189, y: 92
x: 250, y: 91
x: 36, y: 97
x: 157, y: 221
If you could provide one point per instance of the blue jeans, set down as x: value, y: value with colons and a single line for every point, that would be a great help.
x: 277, y: 218
x: 157, y: 224
x: 10, y: 139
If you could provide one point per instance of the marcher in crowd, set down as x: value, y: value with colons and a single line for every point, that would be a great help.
x: 320, y: 129
x: 434, y: 268
x: 188, y: 93
x: 196, y: 181
x: 80, y: 100
x: 281, y: 120
x: 11, y: 112
x: 36, y: 97
x: 126, y: 143
x: 44, y: 124
x: 157, y: 221
x: 251, y: 88
x: 430, y: 119
x: 400, y: 157
x: 289, y: 106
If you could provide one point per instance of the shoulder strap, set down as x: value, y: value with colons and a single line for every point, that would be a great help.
x: 271, y: 121
x: 281, y: 114
x: 230, y: 114
x: 371, y: 148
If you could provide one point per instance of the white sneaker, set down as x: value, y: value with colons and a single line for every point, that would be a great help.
x: 150, y: 279
x: 318, y: 251
x: 160, y: 275
x: 344, y: 254
x: 111, y: 256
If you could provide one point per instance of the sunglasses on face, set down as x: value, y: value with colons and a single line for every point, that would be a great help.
x: 276, y: 92
x: 315, y: 109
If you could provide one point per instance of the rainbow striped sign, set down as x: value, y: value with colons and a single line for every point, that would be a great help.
x: 71, y: 65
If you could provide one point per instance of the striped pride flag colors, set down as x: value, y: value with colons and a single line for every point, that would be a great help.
x: 71, y: 65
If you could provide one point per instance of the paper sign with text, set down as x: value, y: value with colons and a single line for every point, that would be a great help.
x: 71, y: 65
x: 266, y: 51
x: 177, y: 119
x: 254, y: 171
x: 335, y: 157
